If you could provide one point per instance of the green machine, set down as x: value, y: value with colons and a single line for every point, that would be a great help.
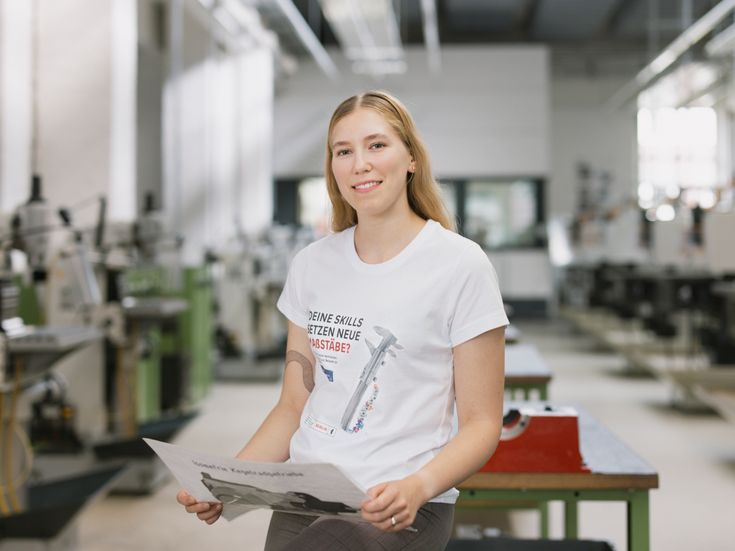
x: 157, y: 380
x: 196, y: 330
x: 29, y: 308
x: 171, y: 330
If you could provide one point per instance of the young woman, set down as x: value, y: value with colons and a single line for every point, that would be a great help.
x: 394, y: 319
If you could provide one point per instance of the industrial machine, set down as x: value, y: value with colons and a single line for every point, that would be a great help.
x: 154, y: 382
x: 36, y: 414
x: 538, y: 438
x: 717, y: 324
x: 250, y: 274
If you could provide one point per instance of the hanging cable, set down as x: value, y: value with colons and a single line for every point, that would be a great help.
x: 25, y: 474
x: 35, y: 127
x: 8, y: 447
x: 4, y: 509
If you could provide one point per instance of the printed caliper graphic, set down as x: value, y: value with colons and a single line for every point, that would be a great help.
x: 369, y: 373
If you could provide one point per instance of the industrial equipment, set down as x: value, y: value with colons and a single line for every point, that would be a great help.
x: 717, y: 330
x: 538, y: 438
x: 155, y: 381
x: 250, y: 275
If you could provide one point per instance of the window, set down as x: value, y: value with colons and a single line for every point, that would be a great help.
x: 314, y: 208
x: 677, y: 156
x: 496, y: 213
x: 504, y: 213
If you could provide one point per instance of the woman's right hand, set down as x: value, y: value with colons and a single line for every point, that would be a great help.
x: 208, y: 511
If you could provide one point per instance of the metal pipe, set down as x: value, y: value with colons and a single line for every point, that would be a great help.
x: 8, y: 444
x: 431, y: 34
x: 671, y: 53
x: 308, y: 38
x: 4, y: 508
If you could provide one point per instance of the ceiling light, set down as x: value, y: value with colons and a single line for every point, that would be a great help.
x: 226, y: 20
x: 431, y: 34
x: 665, y: 213
x: 368, y: 33
x: 646, y: 191
x: 672, y: 52
x: 307, y: 37
x: 707, y: 198
x: 722, y: 44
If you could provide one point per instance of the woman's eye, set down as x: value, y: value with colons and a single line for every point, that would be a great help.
x: 377, y: 145
x: 341, y: 152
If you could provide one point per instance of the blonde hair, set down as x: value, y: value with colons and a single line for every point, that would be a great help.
x: 424, y: 195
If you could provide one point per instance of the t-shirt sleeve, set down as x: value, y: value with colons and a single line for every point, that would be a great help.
x: 291, y: 302
x: 477, y: 304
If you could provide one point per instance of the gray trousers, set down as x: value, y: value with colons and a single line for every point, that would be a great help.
x: 294, y: 532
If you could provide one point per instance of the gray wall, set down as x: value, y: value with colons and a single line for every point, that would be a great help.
x: 491, y: 112
x: 486, y: 113
x: 15, y: 98
x: 583, y: 130
x: 218, y: 108
x: 86, y: 110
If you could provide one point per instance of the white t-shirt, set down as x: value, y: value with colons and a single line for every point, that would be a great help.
x: 382, y: 336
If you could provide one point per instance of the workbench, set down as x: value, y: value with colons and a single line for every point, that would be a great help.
x: 526, y: 371
x: 512, y: 334
x: 616, y: 474
x: 715, y: 387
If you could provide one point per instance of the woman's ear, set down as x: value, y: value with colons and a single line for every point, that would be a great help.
x: 412, y: 166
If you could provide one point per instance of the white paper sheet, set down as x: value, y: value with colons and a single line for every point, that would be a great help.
x: 243, y: 486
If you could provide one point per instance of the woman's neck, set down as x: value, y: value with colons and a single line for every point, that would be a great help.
x: 379, y: 240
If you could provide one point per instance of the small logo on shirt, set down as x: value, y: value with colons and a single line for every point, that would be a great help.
x: 329, y: 373
x: 320, y: 427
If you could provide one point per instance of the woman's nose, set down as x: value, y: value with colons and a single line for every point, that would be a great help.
x: 361, y: 163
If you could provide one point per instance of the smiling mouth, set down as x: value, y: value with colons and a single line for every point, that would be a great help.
x: 367, y: 186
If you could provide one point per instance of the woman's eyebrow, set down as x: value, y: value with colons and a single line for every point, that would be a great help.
x: 365, y: 139
x: 374, y: 136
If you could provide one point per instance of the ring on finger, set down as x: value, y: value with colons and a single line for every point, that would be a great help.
x: 393, y: 520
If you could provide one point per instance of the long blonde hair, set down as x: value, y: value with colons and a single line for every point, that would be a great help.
x: 424, y: 195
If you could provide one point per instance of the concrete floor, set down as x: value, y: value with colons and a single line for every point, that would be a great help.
x: 694, y: 453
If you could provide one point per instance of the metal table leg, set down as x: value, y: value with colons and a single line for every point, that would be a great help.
x: 639, y: 537
x: 543, y: 509
x: 571, y: 519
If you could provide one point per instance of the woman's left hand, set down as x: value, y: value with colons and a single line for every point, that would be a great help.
x: 393, y: 505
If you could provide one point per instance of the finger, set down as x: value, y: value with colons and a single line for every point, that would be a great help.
x: 381, y: 510
x: 184, y: 498
x: 212, y: 514
x: 210, y: 519
x: 214, y: 509
x: 388, y: 526
x: 382, y: 501
x: 376, y: 490
x: 199, y: 507
x: 384, y: 515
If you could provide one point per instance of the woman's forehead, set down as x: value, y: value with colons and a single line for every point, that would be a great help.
x: 362, y: 121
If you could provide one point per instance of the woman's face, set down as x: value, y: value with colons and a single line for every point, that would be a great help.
x: 370, y: 164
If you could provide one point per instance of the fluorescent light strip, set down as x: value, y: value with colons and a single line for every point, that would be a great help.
x: 308, y: 38
x: 249, y: 22
x: 672, y: 52
x: 368, y: 33
x: 431, y: 34
x: 361, y: 26
x: 722, y: 44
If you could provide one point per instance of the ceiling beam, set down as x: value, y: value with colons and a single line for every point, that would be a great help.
x: 614, y: 15
x: 431, y: 34
x: 524, y: 21
x: 308, y: 38
x: 669, y: 55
